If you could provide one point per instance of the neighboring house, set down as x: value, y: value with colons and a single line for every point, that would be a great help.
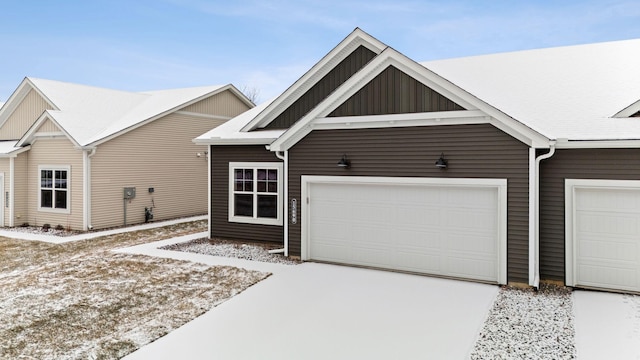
x: 68, y: 152
x: 512, y: 167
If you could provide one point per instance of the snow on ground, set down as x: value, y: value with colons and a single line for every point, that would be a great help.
x: 80, y: 300
x: 528, y: 324
x: 607, y: 325
x: 233, y: 249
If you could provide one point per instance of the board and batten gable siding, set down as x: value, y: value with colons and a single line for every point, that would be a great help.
x: 220, y: 225
x: 473, y: 151
x: 54, y: 152
x: 29, y: 110
x: 225, y: 103
x: 159, y: 155
x: 336, y: 77
x: 394, y: 92
x: 608, y: 164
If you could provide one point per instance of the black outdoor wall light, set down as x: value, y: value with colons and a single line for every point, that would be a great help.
x: 344, y: 162
x: 442, y: 163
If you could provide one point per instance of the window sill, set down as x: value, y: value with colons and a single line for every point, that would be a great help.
x: 55, y: 211
x: 259, y: 221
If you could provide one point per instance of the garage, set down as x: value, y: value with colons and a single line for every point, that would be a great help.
x: 603, y: 234
x: 444, y: 227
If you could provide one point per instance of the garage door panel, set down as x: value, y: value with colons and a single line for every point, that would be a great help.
x: 470, y: 267
x: 607, y: 223
x: 604, y: 231
x: 408, y: 227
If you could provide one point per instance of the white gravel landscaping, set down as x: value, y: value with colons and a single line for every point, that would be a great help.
x: 528, y: 324
x: 238, y: 250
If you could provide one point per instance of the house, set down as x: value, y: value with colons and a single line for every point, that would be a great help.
x: 85, y: 158
x: 506, y: 168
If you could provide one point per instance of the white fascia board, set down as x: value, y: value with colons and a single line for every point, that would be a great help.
x: 629, y: 110
x: 231, y: 141
x: 597, y: 144
x: 312, y: 76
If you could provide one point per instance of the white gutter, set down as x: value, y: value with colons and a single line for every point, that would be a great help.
x: 285, y: 158
x: 534, y: 246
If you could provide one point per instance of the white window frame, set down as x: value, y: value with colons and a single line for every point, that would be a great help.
x: 52, y: 209
x: 279, y: 195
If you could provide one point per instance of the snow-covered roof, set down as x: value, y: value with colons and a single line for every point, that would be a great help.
x: 570, y: 92
x: 8, y: 147
x: 230, y: 132
x: 89, y: 115
x: 583, y: 92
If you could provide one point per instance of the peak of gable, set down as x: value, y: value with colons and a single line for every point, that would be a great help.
x: 336, y: 77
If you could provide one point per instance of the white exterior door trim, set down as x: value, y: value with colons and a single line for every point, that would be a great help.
x: 499, y: 184
x: 570, y: 188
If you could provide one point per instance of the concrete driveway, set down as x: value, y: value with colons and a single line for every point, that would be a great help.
x: 319, y: 311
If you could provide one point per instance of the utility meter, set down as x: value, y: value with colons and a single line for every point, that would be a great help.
x: 129, y: 192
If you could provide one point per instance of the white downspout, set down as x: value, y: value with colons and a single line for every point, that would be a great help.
x: 285, y: 158
x: 534, y: 254
x: 87, y: 153
x: 209, y: 174
x: 12, y: 169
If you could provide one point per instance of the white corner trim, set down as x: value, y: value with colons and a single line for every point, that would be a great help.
x: 499, y: 184
x: 628, y: 111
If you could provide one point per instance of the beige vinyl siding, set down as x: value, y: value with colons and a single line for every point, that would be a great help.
x: 54, y: 152
x: 160, y: 155
x: 223, y: 104
x: 23, y: 116
x: 21, y: 189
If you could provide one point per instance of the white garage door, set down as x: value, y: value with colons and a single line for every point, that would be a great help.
x: 603, y: 234
x: 448, y: 227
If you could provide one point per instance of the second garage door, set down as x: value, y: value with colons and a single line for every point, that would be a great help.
x: 603, y: 234
x: 446, y: 227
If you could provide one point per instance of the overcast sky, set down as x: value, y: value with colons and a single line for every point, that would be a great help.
x: 266, y: 45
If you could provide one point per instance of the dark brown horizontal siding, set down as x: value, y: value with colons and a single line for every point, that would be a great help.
x: 610, y: 164
x: 338, y: 75
x: 394, y: 92
x: 220, y: 157
x: 473, y: 151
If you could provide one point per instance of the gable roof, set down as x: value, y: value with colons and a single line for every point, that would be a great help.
x: 90, y: 115
x: 573, y: 95
x: 573, y: 92
x: 354, y: 40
